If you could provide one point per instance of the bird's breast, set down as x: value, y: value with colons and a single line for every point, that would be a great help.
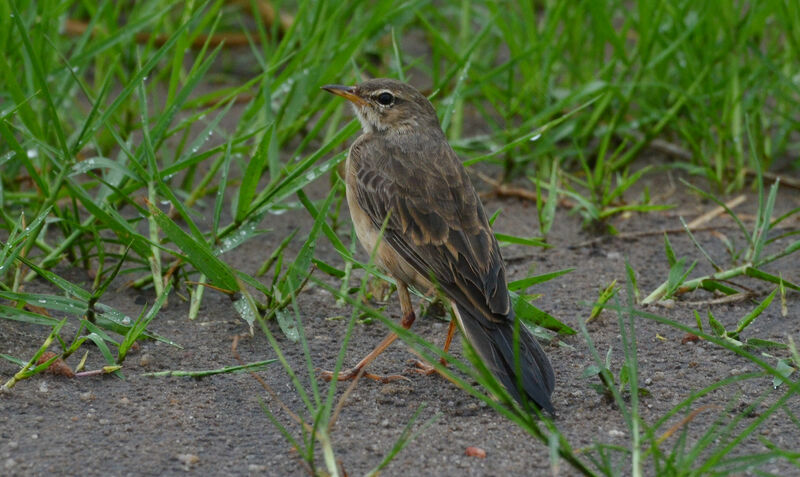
x: 365, y: 230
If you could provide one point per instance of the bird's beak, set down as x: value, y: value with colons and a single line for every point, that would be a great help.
x: 347, y: 92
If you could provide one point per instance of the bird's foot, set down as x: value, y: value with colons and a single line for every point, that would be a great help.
x: 353, y: 373
x: 423, y: 368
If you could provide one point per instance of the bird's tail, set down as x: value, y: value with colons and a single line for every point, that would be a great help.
x: 494, y: 343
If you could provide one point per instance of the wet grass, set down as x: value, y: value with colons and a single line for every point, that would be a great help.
x: 112, y: 136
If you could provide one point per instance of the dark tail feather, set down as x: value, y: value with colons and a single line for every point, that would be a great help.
x: 494, y: 343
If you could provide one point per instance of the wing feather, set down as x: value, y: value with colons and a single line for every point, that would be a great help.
x: 437, y: 224
x: 436, y: 220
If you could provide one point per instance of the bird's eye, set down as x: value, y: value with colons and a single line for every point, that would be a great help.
x: 385, y: 98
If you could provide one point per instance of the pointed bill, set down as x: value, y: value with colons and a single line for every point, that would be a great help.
x: 347, y: 92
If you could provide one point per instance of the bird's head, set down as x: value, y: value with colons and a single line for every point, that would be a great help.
x: 388, y: 105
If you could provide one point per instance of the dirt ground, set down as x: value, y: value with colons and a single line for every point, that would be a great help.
x: 215, y: 426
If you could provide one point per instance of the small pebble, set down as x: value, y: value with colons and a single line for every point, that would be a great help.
x: 473, y: 451
x: 187, y: 459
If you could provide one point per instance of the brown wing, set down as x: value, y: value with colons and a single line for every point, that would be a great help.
x: 438, y: 225
x: 436, y: 220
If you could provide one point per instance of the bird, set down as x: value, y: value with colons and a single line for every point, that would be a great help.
x: 411, y: 200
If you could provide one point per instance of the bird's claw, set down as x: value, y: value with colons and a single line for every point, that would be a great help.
x: 423, y: 368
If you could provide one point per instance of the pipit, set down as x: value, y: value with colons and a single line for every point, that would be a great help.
x: 402, y: 171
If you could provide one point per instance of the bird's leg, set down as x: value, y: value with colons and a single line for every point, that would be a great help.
x: 424, y: 368
x: 407, y: 321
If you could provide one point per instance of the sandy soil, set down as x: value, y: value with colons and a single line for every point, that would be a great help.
x: 215, y: 426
